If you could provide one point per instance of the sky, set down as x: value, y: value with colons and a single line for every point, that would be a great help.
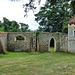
x: 14, y: 11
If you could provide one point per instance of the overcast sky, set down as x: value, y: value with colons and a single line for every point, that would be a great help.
x: 14, y: 11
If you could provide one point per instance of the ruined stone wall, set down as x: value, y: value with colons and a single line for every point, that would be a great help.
x: 3, y: 40
x: 71, y: 38
x: 28, y: 44
x: 63, y: 42
x: 44, y: 41
x: 60, y: 41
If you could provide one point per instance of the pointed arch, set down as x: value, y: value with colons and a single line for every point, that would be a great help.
x: 52, y: 44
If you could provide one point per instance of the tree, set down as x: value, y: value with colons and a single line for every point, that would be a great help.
x: 32, y: 4
x: 52, y: 17
x: 1, y: 26
x: 13, y: 26
x: 24, y: 27
x: 10, y: 26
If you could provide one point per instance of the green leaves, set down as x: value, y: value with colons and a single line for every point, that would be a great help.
x: 12, y: 26
x: 24, y: 27
x: 53, y: 17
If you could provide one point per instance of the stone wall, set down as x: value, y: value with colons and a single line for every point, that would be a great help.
x: 60, y: 41
x: 71, y: 38
x: 28, y: 44
x: 3, y: 41
x: 44, y: 41
x: 63, y: 42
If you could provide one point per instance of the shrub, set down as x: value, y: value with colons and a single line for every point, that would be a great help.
x: 57, y: 33
x: 42, y: 51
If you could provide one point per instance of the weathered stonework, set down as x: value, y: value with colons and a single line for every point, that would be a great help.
x: 29, y: 44
x: 3, y: 40
x: 71, y: 38
x: 63, y: 42
x: 71, y: 35
x: 60, y: 41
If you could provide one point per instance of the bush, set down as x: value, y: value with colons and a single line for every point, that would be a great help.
x: 57, y: 33
x: 42, y: 51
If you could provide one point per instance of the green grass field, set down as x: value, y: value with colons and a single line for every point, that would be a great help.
x: 20, y: 63
x: 51, y: 49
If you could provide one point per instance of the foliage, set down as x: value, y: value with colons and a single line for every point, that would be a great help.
x: 57, y: 33
x: 52, y: 18
x: 42, y: 51
x: 24, y: 27
x: 12, y: 26
x: 1, y: 26
x: 37, y: 32
x: 20, y: 38
x: 73, y: 6
x: 31, y: 5
x: 2, y: 29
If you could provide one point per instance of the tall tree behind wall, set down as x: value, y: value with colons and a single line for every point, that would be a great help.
x: 24, y: 27
x: 13, y: 26
x: 52, y: 17
x: 32, y: 4
x: 10, y: 26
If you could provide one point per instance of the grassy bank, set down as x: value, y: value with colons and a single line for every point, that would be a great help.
x: 57, y: 63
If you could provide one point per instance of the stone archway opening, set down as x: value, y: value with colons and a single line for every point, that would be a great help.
x: 52, y: 45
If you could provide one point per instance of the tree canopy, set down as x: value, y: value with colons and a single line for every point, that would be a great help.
x: 12, y: 26
x: 32, y: 4
x: 53, y: 18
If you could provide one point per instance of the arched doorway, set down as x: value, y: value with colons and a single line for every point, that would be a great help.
x: 52, y: 45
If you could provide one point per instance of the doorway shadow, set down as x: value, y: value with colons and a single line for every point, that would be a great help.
x: 52, y: 45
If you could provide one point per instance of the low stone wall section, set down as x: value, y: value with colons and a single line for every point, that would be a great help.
x: 60, y: 41
x: 28, y: 44
x: 44, y: 41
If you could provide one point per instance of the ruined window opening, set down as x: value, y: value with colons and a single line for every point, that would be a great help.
x: 20, y: 38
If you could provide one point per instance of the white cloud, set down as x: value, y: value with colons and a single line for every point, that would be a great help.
x: 14, y: 11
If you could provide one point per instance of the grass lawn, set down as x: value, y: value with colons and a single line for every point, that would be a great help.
x: 51, y: 49
x: 20, y: 63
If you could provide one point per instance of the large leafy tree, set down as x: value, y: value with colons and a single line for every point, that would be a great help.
x: 52, y: 18
x: 24, y: 27
x: 10, y: 26
x: 32, y: 4
x: 13, y: 26
x: 1, y: 26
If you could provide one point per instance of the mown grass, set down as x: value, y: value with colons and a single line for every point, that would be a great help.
x: 20, y: 63
x: 51, y: 49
